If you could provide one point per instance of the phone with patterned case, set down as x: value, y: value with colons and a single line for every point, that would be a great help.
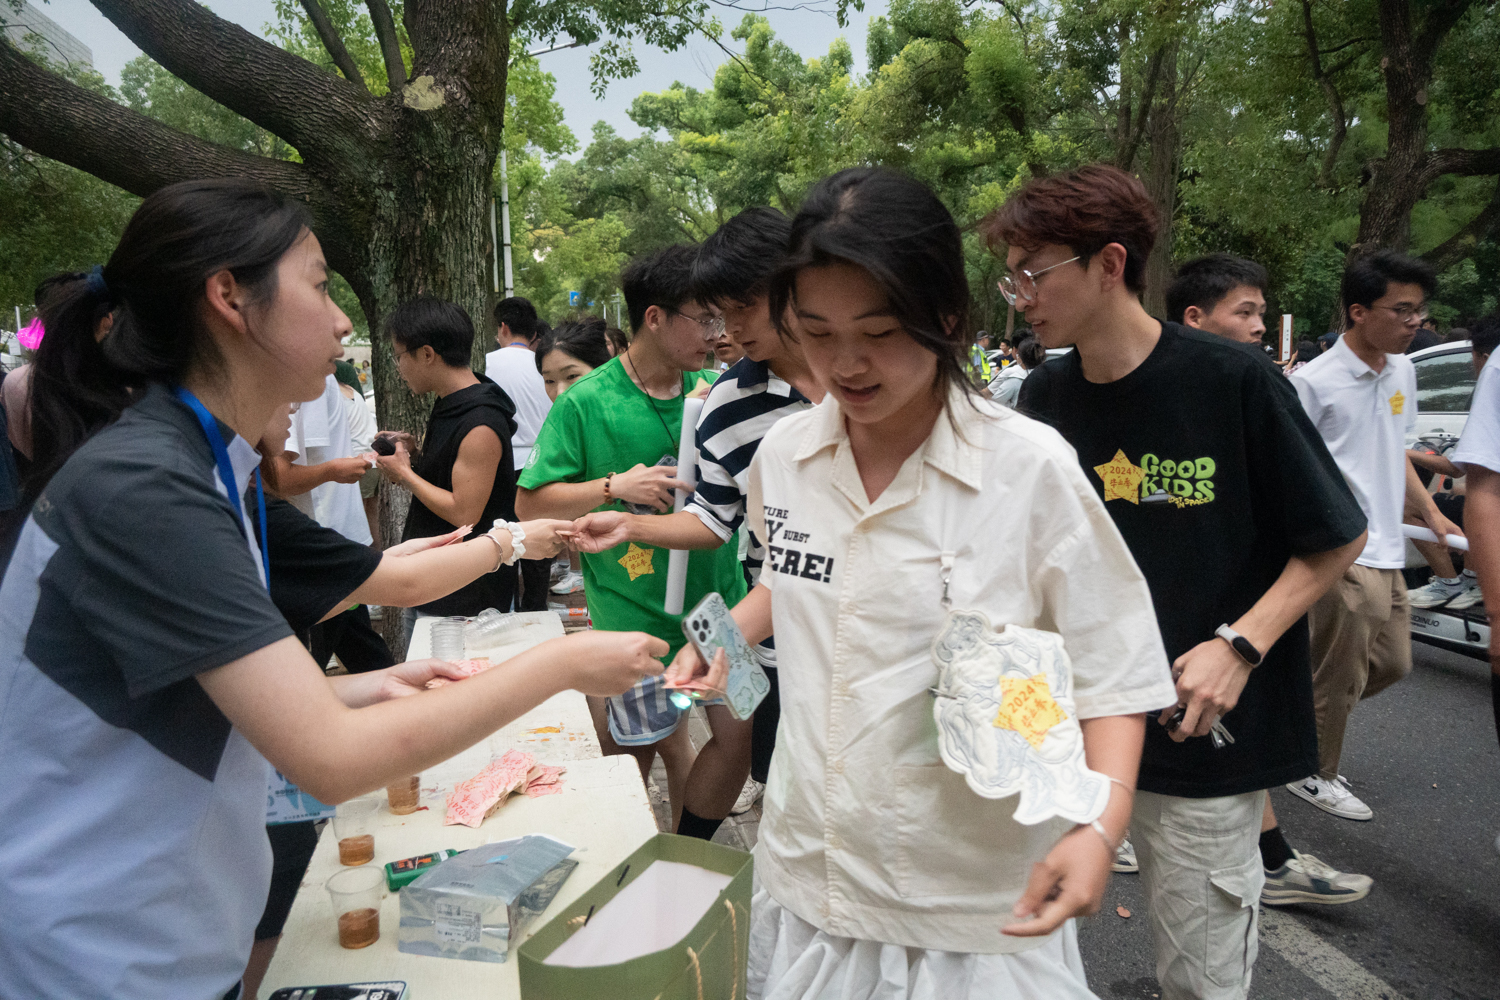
x: 710, y: 627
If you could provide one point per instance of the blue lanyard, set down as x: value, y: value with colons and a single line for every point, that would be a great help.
x: 226, y: 471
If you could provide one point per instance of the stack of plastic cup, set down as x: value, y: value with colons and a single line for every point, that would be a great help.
x: 488, y: 626
x: 448, y: 638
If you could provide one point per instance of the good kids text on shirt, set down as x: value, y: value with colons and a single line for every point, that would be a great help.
x: 1183, y: 483
x: 789, y: 561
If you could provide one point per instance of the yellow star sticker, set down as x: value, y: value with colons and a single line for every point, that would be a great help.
x: 1122, y: 478
x: 1026, y: 706
x: 1398, y: 403
x: 637, y: 561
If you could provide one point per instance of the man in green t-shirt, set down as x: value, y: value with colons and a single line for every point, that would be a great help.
x: 599, y: 449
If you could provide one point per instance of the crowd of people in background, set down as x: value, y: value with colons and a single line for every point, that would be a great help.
x: 1214, y: 533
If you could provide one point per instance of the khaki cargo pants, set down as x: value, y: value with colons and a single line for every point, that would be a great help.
x: 1201, y: 872
x: 1361, y: 645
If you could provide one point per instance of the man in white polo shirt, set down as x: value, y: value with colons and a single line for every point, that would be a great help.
x: 1361, y: 395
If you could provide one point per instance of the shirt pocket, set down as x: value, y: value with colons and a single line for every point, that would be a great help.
x: 950, y: 842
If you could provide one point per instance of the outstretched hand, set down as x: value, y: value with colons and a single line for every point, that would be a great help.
x: 598, y: 532
x: 412, y: 676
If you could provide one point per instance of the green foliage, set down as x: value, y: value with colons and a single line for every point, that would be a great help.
x: 973, y: 98
x: 53, y: 218
x: 295, y: 33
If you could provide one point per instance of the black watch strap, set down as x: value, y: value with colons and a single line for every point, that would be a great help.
x: 1244, y: 647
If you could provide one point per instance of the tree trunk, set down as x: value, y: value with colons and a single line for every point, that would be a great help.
x: 399, y: 184
x: 1165, y: 136
x: 1397, y: 185
x: 1400, y: 179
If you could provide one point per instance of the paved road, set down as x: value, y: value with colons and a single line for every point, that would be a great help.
x: 1424, y: 756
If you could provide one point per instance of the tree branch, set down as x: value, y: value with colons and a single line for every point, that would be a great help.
x: 333, y: 43
x: 1461, y: 244
x: 1440, y: 21
x: 1126, y: 156
x: 1463, y: 162
x: 1330, y: 93
x: 390, y: 45
x: 68, y: 123
x: 311, y: 109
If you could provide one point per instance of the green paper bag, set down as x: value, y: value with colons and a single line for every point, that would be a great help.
x: 708, y: 963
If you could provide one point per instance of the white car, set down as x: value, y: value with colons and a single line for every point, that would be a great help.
x: 1445, y: 384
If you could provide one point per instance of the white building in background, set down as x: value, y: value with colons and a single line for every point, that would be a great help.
x: 56, y: 43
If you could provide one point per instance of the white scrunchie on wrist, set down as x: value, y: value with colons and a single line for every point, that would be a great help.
x: 517, y: 540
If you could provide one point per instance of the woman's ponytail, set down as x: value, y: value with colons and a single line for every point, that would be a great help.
x: 151, y: 290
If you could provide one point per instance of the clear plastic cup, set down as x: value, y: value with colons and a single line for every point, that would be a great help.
x: 487, y: 627
x: 404, y: 796
x: 448, y: 638
x: 356, y: 905
x: 354, y: 826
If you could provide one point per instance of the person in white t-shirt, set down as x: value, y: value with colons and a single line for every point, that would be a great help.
x: 1361, y: 395
x: 362, y: 431
x: 880, y: 872
x: 320, y: 438
x: 513, y: 368
x: 1478, y: 454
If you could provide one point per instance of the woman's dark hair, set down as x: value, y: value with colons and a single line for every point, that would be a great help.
x: 154, y: 285
x: 1030, y: 353
x: 1307, y: 350
x: 428, y: 321
x: 618, y: 341
x: 583, y: 339
x: 897, y: 231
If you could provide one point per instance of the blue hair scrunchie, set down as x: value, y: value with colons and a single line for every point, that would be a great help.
x: 95, y: 281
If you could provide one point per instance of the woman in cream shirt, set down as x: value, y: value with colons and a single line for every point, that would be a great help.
x: 880, y: 873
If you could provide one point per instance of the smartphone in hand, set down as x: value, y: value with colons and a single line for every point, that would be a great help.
x: 710, y: 627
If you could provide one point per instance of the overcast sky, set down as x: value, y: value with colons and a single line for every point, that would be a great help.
x: 807, y: 25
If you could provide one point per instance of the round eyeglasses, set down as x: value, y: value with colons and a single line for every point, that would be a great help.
x: 1022, y: 286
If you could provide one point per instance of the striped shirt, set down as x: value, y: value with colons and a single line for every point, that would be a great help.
x: 741, y: 407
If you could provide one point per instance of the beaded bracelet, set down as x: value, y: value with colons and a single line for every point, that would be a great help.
x: 608, y: 498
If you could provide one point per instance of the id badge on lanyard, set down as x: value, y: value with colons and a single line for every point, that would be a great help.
x: 285, y: 802
x: 226, y: 472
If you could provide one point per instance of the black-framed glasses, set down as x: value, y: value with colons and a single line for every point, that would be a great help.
x: 1022, y: 286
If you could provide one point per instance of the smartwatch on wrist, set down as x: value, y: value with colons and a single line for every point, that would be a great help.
x: 1244, y: 647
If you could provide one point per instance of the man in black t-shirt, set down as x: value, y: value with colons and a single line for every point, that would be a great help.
x: 465, y: 474
x: 1226, y: 295
x: 1239, y: 520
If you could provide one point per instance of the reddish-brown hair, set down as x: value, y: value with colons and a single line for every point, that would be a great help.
x: 1085, y: 210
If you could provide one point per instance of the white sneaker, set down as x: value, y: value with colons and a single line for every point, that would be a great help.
x: 749, y: 795
x: 1437, y: 593
x: 1125, y: 861
x: 1305, y: 879
x: 572, y: 583
x: 1470, y: 596
x: 1332, y: 797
